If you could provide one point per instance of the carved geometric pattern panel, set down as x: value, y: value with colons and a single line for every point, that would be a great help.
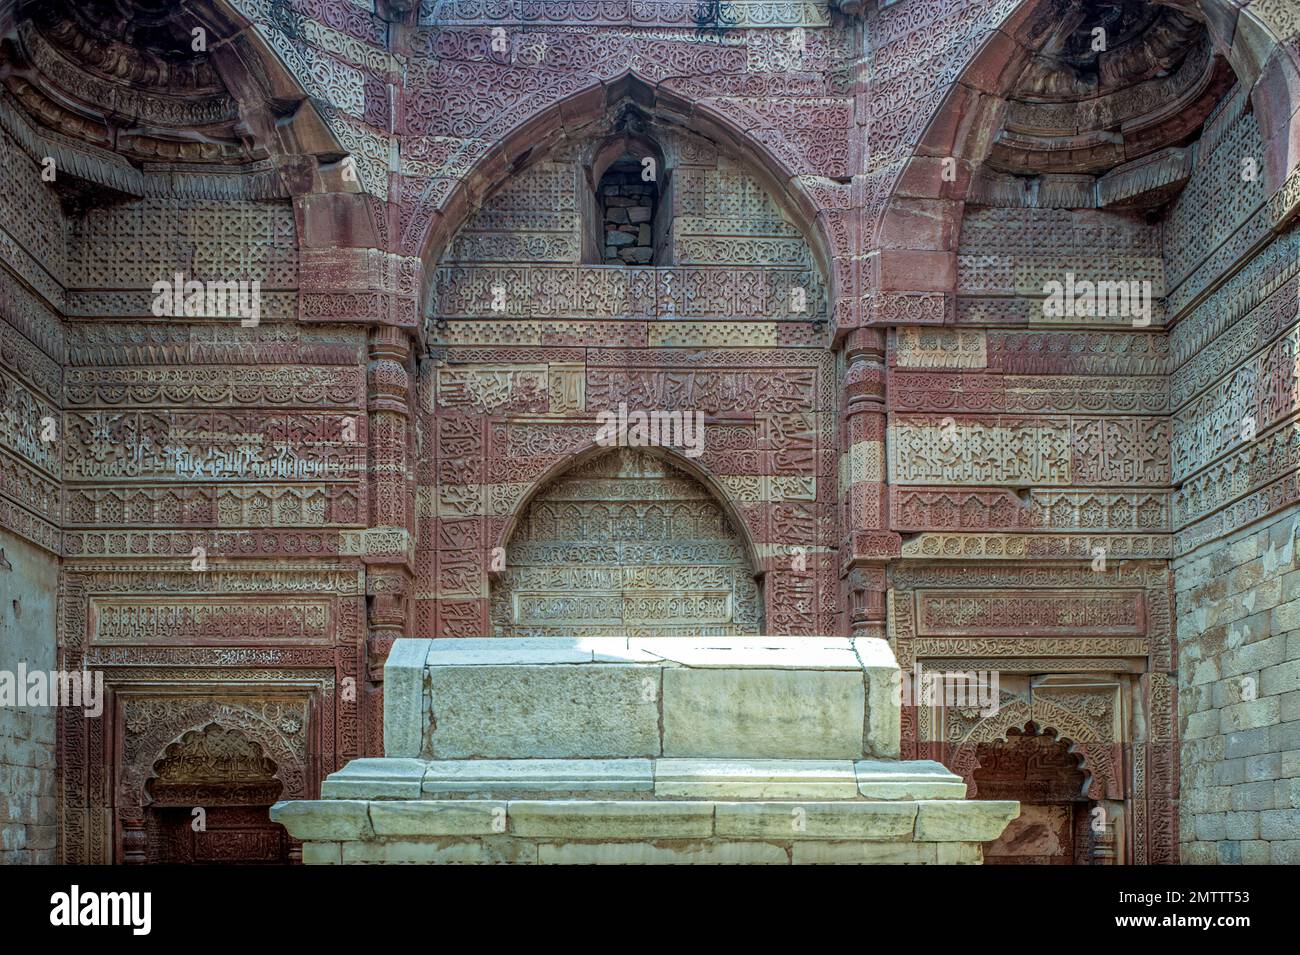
x: 625, y: 543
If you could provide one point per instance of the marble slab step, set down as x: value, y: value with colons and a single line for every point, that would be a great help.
x: 739, y: 779
x: 755, y: 779
x: 910, y: 779
x: 401, y: 830
x: 538, y: 776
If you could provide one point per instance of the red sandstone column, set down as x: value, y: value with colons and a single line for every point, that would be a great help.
x: 387, y: 551
x: 868, y: 545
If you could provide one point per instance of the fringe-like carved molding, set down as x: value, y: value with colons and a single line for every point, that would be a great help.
x: 250, y: 181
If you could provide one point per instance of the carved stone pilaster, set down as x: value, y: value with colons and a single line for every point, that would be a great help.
x: 386, y: 548
x: 868, y: 545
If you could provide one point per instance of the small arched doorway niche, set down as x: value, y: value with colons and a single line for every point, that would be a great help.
x: 626, y: 543
x: 1055, y: 826
x: 208, y: 801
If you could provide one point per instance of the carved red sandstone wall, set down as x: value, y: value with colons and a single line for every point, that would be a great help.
x: 1116, y: 436
x: 512, y: 397
x: 934, y: 452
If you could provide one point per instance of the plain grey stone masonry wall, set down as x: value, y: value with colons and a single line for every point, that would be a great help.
x: 1237, y: 602
x: 28, y: 597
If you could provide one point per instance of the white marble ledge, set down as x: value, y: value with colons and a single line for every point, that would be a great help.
x: 877, y: 780
x: 921, y: 821
x: 810, y: 653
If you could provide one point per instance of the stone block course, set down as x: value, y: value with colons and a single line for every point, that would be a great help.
x: 1257, y: 713
x: 864, y: 821
x: 1280, y: 824
x: 538, y: 775
x: 1255, y: 852
x: 398, y: 778
x: 608, y: 819
x: 1241, y: 806
x: 1286, y: 794
x: 451, y: 851
x: 631, y: 831
x: 452, y: 817
x: 958, y: 821
x: 1291, y: 706
x: 1239, y: 825
x: 329, y: 820
x: 649, y: 853
x: 859, y: 853
x: 562, y: 711
x: 755, y: 779
x: 28, y: 816
x: 597, y: 698
x: 1266, y: 766
x: 1284, y: 852
x: 724, y: 713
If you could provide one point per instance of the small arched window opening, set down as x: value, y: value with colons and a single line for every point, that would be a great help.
x: 628, y: 215
x: 628, y: 199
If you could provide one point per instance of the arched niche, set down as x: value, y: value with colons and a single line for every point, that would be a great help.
x: 137, y: 98
x: 625, y: 542
x: 628, y: 193
x: 1040, y: 770
x: 214, y: 765
x: 1040, y: 117
x: 530, y: 201
x: 725, y: 246
x: 207, y: 800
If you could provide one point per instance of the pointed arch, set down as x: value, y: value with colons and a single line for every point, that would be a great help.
x: 923, y: 210
x: 572, y: 115
x: 1102, y: 779
x: 634, y: 578
x: 274, y: 101
x: 272, y: 143
x: 569, y: 462
x: 150, y: 744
